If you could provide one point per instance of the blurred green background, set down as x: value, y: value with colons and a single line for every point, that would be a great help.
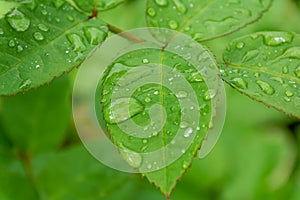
x: 257, y: 156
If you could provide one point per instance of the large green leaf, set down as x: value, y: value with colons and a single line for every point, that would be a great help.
x: 205, y: 19
x: 42, y: 40
x: 100, y: 5
x: 173, y: 131
x: 266, y: 67
x: 42, y: 117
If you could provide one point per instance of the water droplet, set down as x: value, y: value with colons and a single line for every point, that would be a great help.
x: 289, y: 93
x: 37, y: 66
x: 18, y: 21
x: 77, y: 42
x: 275, y: 39
x: 156, y: 92
x: 278, y: 79
x: 118, y: 110
x: 151, y: 12
x: 196, y: 77
x: 297, y: 72
x: 145, y: 141
x: 44, y: 12
x: 43, y: 27
x: 38, y: 36
x: 173, y: 24
x: 11, y: 43
x: 145, y: 61
x: 181, y: 94
x: 188, y: 132
x: 147, y: 99
x: 209, y: 94
x: 265, y: 87
x: 94, y: 35
x: 19, y: 48
x: 285, y: 70
x: 240, y: 45
x: 1, y: 31
x: 184, y: 124
x: 293, y: 52
x: 185, y: 165
x: 287, y: 99
x: 155, y: 133
x: 132, y: 158
x: 250, y: 55
x: 180, y: 6
x: 240, y: 83
x: 70, y: 18
x: 25, y: 84
x: 149, y: 166
x: 256, y: 75
x: 162, y: 2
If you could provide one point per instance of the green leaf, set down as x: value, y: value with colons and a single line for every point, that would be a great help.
x: 205, y: 19
x: 75, y: 174
x: 266, y: 67
x: 42, y: 40
x: 100, y: 5
x: 150, y: 132
x: 42, y: 117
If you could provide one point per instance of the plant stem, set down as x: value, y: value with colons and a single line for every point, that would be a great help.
x: 124, y: 34
x: 25, y: 158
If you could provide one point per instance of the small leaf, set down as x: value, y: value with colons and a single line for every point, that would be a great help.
x: 266, y: 67
x: 100, y: 5
x: 42, y: 40
x: 152, y: 119
x: 42, y: 117
x: 205, y: 19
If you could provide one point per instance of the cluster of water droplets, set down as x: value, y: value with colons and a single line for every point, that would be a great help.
x: 275, y: 63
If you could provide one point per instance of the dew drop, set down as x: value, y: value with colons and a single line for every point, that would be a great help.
x: 240, y: 45
x: 147, y: 99
x: 287, y: 99
x: 18, y: 21
x: 1, y: 31
x: 77, y: 42
x: 70, y: 18
x: 240, y: 83
x: 181, y: 94
x: 43, y: 27
x: 297, y: 72
x: 94, y: 35
x: 196, y: 77
x: 275, y: 39
x: 11, y: 43
x: 285, y: 70
x: 188, y: 132
x: 145, y: 61
x: 149, y: 166
x: 161, y: 2
x: 19, y: 48
x: 278, y: 79
x: 44, y: 12
x: 151, y: 12
x: 180, y: 6
x: 118, y: 110
x: 132, y: 158
x: 38, y: 36
x: 145, y: 141
x: 289, y: 93
x: 250, y: 55
x: 185, y: 165
x: 209, y: 94
x: 173, y: 24
x: 265, y: 87
x: 25, y: 84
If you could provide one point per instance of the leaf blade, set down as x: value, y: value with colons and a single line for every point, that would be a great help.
x: 265, y: 67
x: 197, y: 18
x: 36, y: 46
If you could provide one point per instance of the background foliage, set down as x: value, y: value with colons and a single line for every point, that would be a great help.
x: 257, y: 156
